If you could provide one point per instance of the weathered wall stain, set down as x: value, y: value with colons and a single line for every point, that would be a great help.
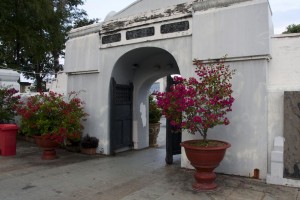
x: 119, y: 24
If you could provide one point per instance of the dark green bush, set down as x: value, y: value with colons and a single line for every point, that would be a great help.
x: 89, y: 142
x: 155, y: 113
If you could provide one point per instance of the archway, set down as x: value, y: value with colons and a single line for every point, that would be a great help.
x: 137, y: 69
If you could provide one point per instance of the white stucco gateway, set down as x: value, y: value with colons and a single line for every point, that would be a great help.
x: 151, y: 39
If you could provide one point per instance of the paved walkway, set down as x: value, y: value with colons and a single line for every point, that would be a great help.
x: 132, y: 175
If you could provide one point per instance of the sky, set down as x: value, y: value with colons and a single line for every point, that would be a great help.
x: 285, y: 12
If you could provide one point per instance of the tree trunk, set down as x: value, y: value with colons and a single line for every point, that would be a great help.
x: 39, y: 83
x: 56, y: 62
x: 205, y: 134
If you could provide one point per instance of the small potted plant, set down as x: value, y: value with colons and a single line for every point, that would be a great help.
x: 197, y: 105
x: 89, y: 145
x: 155, y: 114
x: 52, y: 119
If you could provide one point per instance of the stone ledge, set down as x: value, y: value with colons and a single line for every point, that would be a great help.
x: 282, y: 181
x: 205, y: 5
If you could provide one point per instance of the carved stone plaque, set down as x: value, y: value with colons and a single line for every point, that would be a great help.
x: 111, y: 38
x: 292, y: 135
x: 139, y: 33
x: 175, y: 27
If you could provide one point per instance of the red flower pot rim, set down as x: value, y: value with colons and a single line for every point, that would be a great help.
x: 187, y: 144
x: 8, y: 127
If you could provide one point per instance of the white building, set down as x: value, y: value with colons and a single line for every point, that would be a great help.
x: 150, y: 39
x: 9, y: 78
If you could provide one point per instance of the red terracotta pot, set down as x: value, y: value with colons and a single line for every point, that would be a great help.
x: 205, y: 160
x: 89, y: 151
x: 154, y: 129
x: 48, y: 146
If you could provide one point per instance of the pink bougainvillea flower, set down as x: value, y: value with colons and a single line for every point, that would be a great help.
x: 201, y: 102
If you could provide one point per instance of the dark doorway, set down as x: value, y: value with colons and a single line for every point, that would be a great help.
x: 121, y: 116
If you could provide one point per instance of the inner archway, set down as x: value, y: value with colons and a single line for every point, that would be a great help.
x: 140, y: 68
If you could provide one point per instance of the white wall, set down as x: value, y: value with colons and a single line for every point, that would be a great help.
x: 247, y: 131
x: 59, y: 85
x: 284, y: 75
x: 82, y: 53
x: 145, y: 76
x: 96, y: 82
x: 239, y: 30
x: 9, y: 78
x: 242, y: 31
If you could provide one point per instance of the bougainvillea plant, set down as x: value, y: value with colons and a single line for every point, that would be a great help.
x: 200, y: 103
x: 53, y: 117
x: 8, y: 102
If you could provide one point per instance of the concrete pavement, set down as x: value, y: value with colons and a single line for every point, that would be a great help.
x: 131, y: 175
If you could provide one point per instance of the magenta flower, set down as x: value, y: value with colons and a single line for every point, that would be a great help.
x: 201, y: 102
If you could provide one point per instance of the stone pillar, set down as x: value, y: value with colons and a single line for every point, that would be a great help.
x: 277, y: 163
x: 276, y: 176
x: 277, y: 158
x: 59, y: 85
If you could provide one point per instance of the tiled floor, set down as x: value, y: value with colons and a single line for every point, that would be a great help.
x: 140, y: 175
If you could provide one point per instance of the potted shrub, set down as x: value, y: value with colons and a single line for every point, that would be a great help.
x: 89, y: 145
x: 52, y: 120
x: 155, y: 114
x: 74, y: 142
x: 198, y: 104
x: 8, y: 102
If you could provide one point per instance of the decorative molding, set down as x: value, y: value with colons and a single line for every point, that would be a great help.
x: 83, y: 72
x: 151, y: 32
x: 205, y: 5
x: 85, y: 30
x: 173, y: 12
x: 238, y: 59
x: 281, y: 88
x: 289, y: 35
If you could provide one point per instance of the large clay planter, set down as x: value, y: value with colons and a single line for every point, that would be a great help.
x: 154, y: 129
x: 48, y: 146
x: 205, y: 160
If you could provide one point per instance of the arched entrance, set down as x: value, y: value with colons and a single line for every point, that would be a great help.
x: 132, y: 76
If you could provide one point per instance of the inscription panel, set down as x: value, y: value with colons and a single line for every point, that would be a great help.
x: 175, y: 27
x: 140, y: 33
x: 111, y: 38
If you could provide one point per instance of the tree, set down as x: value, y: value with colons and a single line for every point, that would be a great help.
x: 33, y: 34
x: 293, y: 28
x: 84, y: 22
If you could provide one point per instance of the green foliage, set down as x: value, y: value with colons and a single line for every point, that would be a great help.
x: 84, y: 22
x: 50, y: 115
x: 33, y: 34
x: 8, y: 102
x: 155, y: 113
x: 293, y: 28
